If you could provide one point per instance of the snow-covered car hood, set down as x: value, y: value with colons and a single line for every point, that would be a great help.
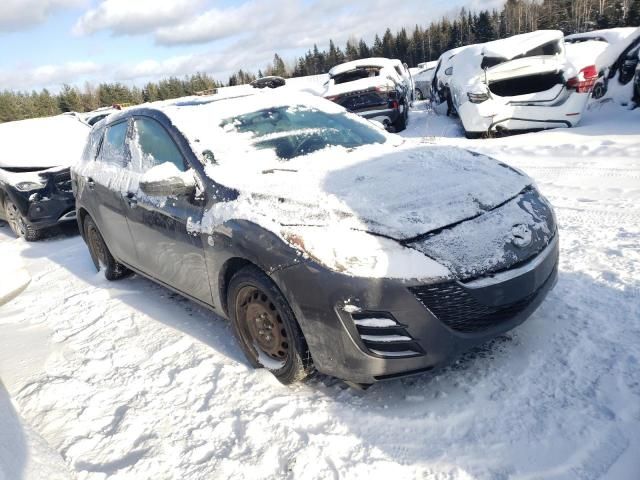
x: 397, y: 192
x: 42, y: 142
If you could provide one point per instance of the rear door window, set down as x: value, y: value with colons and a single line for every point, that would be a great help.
x: 114, y: 144
x: 154, y: 146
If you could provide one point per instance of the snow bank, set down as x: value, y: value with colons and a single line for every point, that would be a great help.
x: 42, y: 142
x: 24, y: 455
x: 13, y: 280
x: 145, y: 384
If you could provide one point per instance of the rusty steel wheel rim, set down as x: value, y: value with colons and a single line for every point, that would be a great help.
x: 261, y: 324
x: 97, y: 246
x: 15, y: 220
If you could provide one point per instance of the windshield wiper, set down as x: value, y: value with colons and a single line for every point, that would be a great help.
x: 273, y: 170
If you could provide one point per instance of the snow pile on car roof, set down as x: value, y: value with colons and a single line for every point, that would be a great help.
x: 519, y: 44
x: 42, y: 142
x: 361, y: 63
x: 610, y: 35
x: 390, y: 189
x: 601, y: 48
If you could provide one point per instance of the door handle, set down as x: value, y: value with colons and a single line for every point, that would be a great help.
x: 90, y: 183
x: 131, y: 200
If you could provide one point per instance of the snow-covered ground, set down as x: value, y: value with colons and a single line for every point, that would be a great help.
x: 127, y: 380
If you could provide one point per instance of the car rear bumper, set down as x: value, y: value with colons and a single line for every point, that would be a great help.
x: 434, y: 322
x: 385, y: 115
x: 495, y: 116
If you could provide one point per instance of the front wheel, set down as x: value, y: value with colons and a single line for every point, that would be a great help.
x: 266, y: 327
x: 18, y: 224
x: 100, y: 254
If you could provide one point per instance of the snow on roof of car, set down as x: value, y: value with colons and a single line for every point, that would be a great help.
x: 600, y: 47
x: 42, y: 142
x: 363, y: 62
x: 518, y: 44
x: 609, y: 35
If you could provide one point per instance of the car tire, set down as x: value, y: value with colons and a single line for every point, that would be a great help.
x: 266, y: 327
x: 599, y: 90
x: 100, y: 254
x: 401, y: 122
x: 475, y: 135
x: 18, y: 224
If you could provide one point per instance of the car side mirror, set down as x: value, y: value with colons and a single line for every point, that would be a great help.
x: 166, y: 180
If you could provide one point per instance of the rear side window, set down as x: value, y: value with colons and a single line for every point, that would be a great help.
x: 113, y: 146
x: 154, y: 146
x: 92, y: 147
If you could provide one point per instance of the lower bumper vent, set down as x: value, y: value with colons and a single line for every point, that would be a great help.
x: 384, y: 336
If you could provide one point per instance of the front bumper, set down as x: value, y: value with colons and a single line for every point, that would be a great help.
x: 45, y: 207
x: 427, y: 334
x: 493, y: 115
x: 385, y: 115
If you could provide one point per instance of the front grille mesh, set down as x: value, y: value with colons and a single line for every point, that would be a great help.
x: 453, y: 305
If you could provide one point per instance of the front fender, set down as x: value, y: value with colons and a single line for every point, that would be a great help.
x: 247, y: 241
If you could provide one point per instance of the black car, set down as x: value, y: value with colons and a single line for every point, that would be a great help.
x: 271, y: 81
x: 328, y: 243
x: 378, y: 89
x: 35, y: 184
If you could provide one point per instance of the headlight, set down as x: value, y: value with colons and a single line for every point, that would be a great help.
x: 361, y: 254
x: 28, y: 186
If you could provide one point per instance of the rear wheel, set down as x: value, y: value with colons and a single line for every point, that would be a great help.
x: 18, y: 224
x: 474, y: 135
x: 266, y: 328
x: 100, y: 254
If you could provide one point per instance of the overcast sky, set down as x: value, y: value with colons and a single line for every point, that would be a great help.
x: 49, y: 42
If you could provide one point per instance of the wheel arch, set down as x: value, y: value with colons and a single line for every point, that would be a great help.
x: 82, y: 214
x: 232, y: 266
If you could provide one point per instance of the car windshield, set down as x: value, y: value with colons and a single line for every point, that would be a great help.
x: 295, y: 131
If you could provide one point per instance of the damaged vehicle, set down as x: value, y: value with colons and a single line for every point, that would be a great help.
x: 329, y: 244
x: 378, y: 89
x: 35, y: 182
x: 612, y: 52
x: 521, y: 83
x: 422, y: 78
x: 271, y: 81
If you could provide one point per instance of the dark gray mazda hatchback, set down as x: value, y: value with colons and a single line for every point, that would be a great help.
x: 328, y: 243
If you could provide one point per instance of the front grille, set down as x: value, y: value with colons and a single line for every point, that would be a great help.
x: 384, y: 336
x: 453, y: 305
